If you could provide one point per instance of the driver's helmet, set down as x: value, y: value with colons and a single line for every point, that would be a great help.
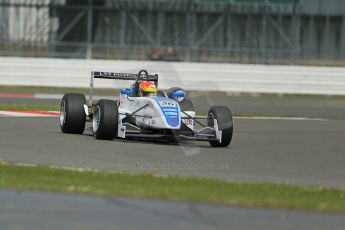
x: 147, y: 89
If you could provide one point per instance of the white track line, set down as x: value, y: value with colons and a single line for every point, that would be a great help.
x: 59, y: 96
x: 25, y: 114
x: 283, y: 118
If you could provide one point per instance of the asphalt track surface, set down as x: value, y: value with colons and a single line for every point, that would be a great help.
x: 40, y: 210
x: 289, y: 151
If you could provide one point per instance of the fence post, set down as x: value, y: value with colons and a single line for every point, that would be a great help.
x: 296, y: 24
x: 89, y: 30
x: 190, y: 27
x: 342, y: 50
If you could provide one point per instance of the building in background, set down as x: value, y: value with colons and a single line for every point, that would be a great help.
x: 241, y: 31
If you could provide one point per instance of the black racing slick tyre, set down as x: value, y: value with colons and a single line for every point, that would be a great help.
x: 105, y: 120
x: 223, y: 116
x: 187, y: 105
x: 72, y: 114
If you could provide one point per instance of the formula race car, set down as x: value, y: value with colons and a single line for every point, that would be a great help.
x: 143, y: 111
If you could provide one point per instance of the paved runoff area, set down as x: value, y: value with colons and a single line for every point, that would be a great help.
x: 56, y: 211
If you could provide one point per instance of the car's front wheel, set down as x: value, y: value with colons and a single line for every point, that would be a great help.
x: 105, y: 120
x: 223, y: 116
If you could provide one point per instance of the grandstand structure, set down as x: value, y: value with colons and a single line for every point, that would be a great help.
x: 240, y: 31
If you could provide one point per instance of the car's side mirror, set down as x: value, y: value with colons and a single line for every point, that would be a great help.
x: 178, y: 94
x: 126, y: 91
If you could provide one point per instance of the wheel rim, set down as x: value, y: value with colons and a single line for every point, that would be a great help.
x: 62, y: 113
x: 96, y: 119
x: 211, y: 119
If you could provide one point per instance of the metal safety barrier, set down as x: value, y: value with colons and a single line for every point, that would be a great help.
x: 231, y: 78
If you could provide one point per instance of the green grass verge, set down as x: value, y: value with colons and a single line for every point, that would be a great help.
x: 29, y: 107
x: 172, y: 188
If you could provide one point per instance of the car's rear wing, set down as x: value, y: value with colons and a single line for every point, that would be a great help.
x: 118, y: 76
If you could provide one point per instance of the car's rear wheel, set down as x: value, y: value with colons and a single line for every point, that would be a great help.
x: 185, y: 105
x: 72, y: 114
x: 223, y: 116
x: 105, y: 120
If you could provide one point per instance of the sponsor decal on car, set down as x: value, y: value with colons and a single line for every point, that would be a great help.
x: 167, y: 104
x: 170, y: 110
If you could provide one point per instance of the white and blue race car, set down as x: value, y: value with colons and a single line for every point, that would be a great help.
x: 166, y: 115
